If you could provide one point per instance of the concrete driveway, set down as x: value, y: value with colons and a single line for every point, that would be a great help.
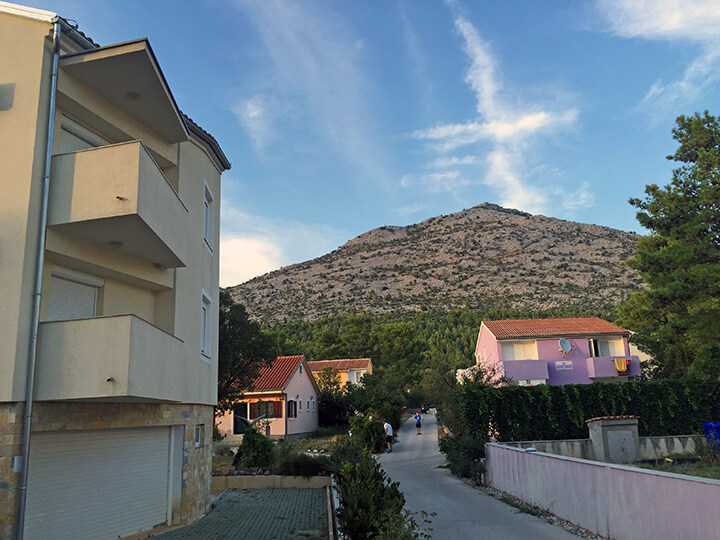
x: 462, y: 511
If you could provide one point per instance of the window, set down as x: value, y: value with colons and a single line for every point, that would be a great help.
x: 606, y: 347
x: 291, y: 409
x: 308, y: 404
x: 206, y: 318
x: 300, y: 369
x: 268, y: 409
x: 208, y: 218
x: 354, y: 376
x: 74, y: 137
x: 313, y: 403
x: 240, y: 416
x: 519, y: 350
x: 300, y: 405
x: 72, y: 294
x: 199, y: 435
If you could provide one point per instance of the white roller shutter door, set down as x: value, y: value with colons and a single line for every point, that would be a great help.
x: 99, y: 484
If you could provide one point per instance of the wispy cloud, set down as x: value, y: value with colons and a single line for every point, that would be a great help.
x: 448, y: 181
x: 315, y: 58
x: 252, y: 245
x: 258, y: 115
x: 690, y: 21
x: 453, y: 161
x: 503, y: 129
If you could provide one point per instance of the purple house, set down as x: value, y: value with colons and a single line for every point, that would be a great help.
x: 555, y: 351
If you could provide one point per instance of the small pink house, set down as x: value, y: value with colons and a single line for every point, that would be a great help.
x: 555, y: 351
x: 285, y: 393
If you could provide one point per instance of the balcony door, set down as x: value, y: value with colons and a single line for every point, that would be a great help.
x: 72, y: 295
x: 75, y: 137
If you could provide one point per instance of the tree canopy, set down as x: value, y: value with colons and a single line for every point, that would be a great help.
x: 243, y: 349
x: 677, y: 318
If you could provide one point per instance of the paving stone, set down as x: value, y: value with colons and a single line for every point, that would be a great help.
x: 261, y: 514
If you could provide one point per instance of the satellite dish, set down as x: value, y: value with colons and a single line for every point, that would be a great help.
x: 565, y: 345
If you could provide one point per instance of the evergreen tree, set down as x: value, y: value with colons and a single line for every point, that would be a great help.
x: 677, y: 318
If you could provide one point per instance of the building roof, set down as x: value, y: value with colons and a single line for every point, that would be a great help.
x: 277, y: 375
x: 343, y: 364
x: 539, y: 328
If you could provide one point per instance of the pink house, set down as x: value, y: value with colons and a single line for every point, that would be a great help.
x: 555, y: 351
x: 285, y: 394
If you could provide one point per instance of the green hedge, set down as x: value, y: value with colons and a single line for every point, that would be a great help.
x: 514, y: 413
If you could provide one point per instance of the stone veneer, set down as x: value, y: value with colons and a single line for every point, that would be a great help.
x: 61, y: 416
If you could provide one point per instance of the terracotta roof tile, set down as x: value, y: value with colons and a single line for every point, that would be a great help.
x: 340, y: 365
x: 535, y: 328
x: 276, y: 375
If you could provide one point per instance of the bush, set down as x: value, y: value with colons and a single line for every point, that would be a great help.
x: 371, y: 506
x: 464, y: 454
x: 368, y: 432
x: 255, y: 452
x: 299, y: 464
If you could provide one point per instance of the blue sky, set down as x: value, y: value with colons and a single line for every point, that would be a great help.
x: 339, y: 117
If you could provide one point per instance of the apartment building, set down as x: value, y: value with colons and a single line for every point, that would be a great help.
x: 118, y: 284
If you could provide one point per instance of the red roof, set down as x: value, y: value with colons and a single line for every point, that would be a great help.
x: 340, y: 365
x: 277, y: 375
x: 536, y: 328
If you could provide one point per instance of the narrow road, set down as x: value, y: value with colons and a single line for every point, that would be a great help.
x: 462, y: 511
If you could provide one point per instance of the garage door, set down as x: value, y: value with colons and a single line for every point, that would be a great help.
x: 97, y: 484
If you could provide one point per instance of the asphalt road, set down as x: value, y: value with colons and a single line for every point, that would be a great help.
x: 462, y: 511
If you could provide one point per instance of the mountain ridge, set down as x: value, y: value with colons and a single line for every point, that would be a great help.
x: 486, y: 255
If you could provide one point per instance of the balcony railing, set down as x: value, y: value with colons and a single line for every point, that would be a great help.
x: 117, y: 358
x: 519, y: 370
x: 604, y: 366
x: 117, y: 196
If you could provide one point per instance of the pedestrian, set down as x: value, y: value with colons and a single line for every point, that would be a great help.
x: 418, y: 422
x: 388, y: 435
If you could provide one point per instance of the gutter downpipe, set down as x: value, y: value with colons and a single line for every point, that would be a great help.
x: 37, y: 292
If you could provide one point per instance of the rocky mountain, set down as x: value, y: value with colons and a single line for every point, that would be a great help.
x: 486, y: 256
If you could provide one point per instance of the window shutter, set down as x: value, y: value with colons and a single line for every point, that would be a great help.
x: 278, y: 409
x: 70, y: 300
x: 253, y: 410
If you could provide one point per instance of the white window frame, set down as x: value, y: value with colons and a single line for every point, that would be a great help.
x: 199, y: 435
x: 206, y: 326
x: 208, y: 217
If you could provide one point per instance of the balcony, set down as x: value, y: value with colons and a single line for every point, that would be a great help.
x: 520, y: 370
x: 604, y: 366
x: 117, y: 196
x: 112, y: 359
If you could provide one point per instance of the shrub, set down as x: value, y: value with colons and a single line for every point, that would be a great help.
x: 368, y: 432
x: 255, y: 452
x: 464, y: 454
x: 300, y: 464
x: 371, y: 506
x: 334, y: 409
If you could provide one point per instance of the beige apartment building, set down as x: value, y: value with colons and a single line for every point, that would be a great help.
x: 112, y: 296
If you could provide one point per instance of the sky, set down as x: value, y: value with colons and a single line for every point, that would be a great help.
x: 340, y: 117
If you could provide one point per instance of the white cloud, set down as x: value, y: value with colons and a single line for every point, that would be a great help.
x: 503, y: 127
x: 691, y: 21
x: 242, y: 259
x: 257, y: 115
x: 454, y: 161
x: 448, y: 181
x: 578, y: 200
x: 315, y: 58
x: 252, y: 245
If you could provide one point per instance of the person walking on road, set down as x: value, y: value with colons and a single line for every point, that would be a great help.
x: 418, y: 422
x: 388, y: 435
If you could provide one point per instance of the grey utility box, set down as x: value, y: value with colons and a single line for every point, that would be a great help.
x: 614, y: 439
